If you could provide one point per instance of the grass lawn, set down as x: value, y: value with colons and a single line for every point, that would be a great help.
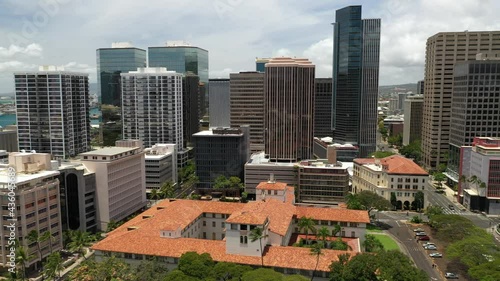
x: 387, y: 241
x: 373, y: 228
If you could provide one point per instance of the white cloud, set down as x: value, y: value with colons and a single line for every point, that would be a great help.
x: 32, y: 50
x: 224, y: 73
x: 15, y: 66
x: 283, y: 52
x: 321, y: 54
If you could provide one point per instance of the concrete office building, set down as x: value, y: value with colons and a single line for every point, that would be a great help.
x: 259, y: 168
x: 394, y: 174
x: 420, y: 87
x: 356, y: 54
x: 323, y: 108
x: 413, y: 119
x: 260, y: 64
x: 152, y: 106
x: 289, y: 109
x: 444, y: 50
x: 120, y: 175
x: 78, y: 197
x: 401, y: 100
x: 220, y: 152
x: 343, y: 152
x: 190, y: 107
x: 161, y: 165
x: 122, y: 57
x: 37, y: 205
x: 8, y: 138
x: 481, y: 160
x: 53, y: 112
x: 247, y: 105
x: 475, y: 106
x: 219, y: 103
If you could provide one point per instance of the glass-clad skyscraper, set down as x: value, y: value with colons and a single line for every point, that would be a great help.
x: 180, y: 59
x: 356, y: 53
x: 121, y: 58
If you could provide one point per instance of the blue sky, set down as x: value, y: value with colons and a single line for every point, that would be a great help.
x: 67, y: 32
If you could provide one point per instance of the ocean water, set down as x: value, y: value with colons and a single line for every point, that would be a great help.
x: 10, y: 119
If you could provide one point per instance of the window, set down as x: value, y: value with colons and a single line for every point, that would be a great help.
x: 234, y: 226
x: 243, y: 227
x: 204, y: 223
x: 213, y: 224
x: 353, y: 234
x: 222, y: 224
x: 243, y: 239
x: 204, y: 235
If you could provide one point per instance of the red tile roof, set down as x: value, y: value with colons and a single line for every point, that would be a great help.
x: 271, y: 186
x: 396, y: 165
x: 331, y: 214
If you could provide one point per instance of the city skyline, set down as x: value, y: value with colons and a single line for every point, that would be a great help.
x: 30, y: 34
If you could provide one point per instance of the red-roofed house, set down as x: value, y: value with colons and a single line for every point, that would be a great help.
x: 394, y: 174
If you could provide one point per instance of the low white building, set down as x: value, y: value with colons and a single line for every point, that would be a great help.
x: 161, y: 165
x: 394, y: 174
x: 121, y: 182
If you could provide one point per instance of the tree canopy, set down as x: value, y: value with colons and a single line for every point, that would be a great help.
x: 367, y: 200
x: 412, y: 150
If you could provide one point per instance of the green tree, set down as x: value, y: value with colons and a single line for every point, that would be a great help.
x: 339, y: 244
x: 394, y: 200
x: 353, y: 203
x: 395, y: 266
x: 221, y: 182
x: 154, y: 195
x: 396, y: 140
x: 323, y: 233
x: 382, y: 154
x: 316, y: 250
x: 167, y: 190
x: 452, y: 228
x: 177, y: 275
x: 196, y: 265
x: 235, y: 182
x: 262, y: 274
x: 336, y: 229
x: 439, y: 177
x: 258, y: 234
x: 419, y: 199
x: 150, y: 270
x: 339, y: 268
x: 359, y: 267
x: 294, y: 277
x: 109, y: 269
x: 53, y: 266
x: 34, y: 237
x: 472, y: 250
x: 433, y: 211
x: 47, y: 236
x: 225, y: 271
x: 79, y: 242
x: 372, y: 244
x: 488, y: 271
x: 367, y: 200
x: 22, y: 258
x: 412, y: 151
x: 306, y: 224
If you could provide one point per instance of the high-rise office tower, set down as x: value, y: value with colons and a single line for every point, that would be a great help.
x: 444, y: 50
x: 53, y: 112
x: 401, y: 100
x: 181, y: 57
x: 420, y: 87
x: 413, y: 119
x: 152, y: 106
x: 122, y: 57
x: 260, y: 64
x: 323, y: 108
x: 289, y: 109
x: 247, y: 105
x: 356, y: 53
x: 475, y: 106
x: 219, y: 103
x: 190, y: 107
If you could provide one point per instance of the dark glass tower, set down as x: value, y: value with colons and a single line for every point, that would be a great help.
x: 356, y: 52
x: 110, y: 63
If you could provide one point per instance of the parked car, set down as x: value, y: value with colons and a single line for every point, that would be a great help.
x: 428, y: 244
x: 418, y: 230
x: 451, y: 275
x: 421, y: 233
x: 424, y: 238
x: 430, y: 247
x: 435, y: 255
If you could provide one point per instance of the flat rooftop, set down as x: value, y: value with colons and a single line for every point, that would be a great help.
x: 22, y: 177
x: 109, y: 151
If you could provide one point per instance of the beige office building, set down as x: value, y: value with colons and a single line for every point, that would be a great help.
x: 247, y: 105
x: 443, y: 51
x: 289, y: 109
x: 37, y: 205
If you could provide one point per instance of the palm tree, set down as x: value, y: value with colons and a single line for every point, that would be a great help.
x: 257, y: 234
x: 336, y: 229
x: 22, y: 257
x: 53, y: 266
x: 47, y: 236
x: 323, y: 233
x: 316, y: 250
x: 306, y: 224
x: 154, y: 195
x: 167, y: 190
x: 34, y: 237
x: 79, y: 241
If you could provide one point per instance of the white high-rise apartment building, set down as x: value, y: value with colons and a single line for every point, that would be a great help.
x: 53, y: 111
x: 152, y: 106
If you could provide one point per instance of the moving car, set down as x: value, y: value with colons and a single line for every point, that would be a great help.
x: 435, y: 255
x: 424, y: 238
x: 451, y: 206
x: 430, y: 247
x: 418, y: 230
x: 450, y: 275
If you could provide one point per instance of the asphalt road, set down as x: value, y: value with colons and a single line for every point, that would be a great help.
x: 405, y: 237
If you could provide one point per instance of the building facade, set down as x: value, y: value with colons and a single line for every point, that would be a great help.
x: 8, y: 139
x: 161, y: 165
x: 190, y: 107
x: 391, y: 175
x: 443, y: 51
x: 120, y: 58
x: 53, y: 112
x: 323, y: 108
x: 220, y: 152
x: 420, y: 87
x: 260, y: 64
x: 413, y: 119
x: 219, y: 103
x: 356, y: 54
x: 120, y: 175
x: 289, y: 109
x: 247, y: 105
x: 36, y: 206
x: 479, y: 187
x: 475, y: 107
x: 152, y: 106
